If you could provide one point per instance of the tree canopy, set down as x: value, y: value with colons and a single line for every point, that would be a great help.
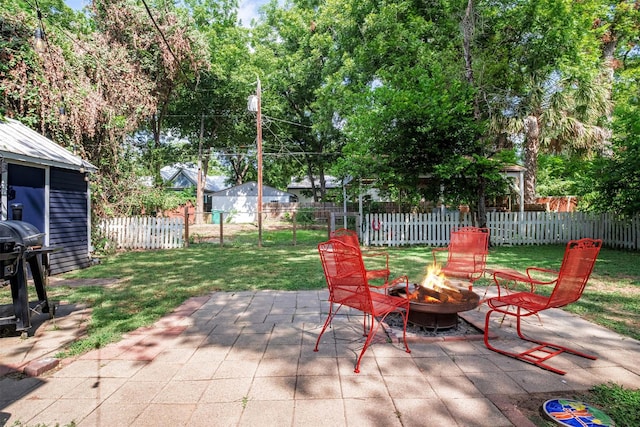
x: 419, y: 97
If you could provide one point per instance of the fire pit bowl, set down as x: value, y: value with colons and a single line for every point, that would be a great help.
x: 442, y: 314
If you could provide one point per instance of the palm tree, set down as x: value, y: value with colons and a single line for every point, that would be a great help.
x: 558, y: 114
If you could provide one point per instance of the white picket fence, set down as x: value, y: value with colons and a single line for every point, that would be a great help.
x: 143, y: 232
x: 506, y: 228
x: 397, y: 229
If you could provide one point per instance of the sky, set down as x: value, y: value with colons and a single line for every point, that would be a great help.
x: 248, y: 8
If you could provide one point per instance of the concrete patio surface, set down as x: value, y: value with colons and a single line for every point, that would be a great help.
x: 246, y: 358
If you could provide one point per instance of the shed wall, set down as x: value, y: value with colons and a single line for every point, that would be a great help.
x: 68, y: 220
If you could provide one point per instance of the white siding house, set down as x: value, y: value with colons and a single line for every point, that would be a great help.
x: 240, y: 203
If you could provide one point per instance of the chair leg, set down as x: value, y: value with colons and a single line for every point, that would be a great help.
x: 558, y: 348
x: 330, y: 317
x: 532, y: 355
x: 405, y: 317
x: 365, y: 317
x: 372, y: 332
x: 367, y: 342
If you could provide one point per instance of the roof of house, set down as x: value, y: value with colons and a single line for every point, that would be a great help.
x: 21, y: 143
x: 251, y: 189
x: 305, y: 183
x: 190, y: 172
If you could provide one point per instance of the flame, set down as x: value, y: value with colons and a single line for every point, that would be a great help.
x: 435, y: 288
x: 434, y: 277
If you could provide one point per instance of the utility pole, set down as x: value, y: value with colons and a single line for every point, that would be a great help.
x: 259, y: 131
x: 255, y: 105
x: 200, y: 183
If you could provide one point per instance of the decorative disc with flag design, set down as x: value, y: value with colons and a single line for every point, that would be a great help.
x: 573, y: 413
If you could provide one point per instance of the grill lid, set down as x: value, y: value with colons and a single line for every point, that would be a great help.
x: 20, y: 232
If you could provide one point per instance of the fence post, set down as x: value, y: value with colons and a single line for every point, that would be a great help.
x: 293, y: 217
x: 186, y: 226
x: 221, y: 229
x: 329, y: 222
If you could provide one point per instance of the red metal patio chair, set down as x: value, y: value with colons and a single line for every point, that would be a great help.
x: 467, y: 253
x: 349, y: 286
x: 350, y: 237
x: 568, y: 285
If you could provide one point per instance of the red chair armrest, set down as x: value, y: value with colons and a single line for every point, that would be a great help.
x: 508, y: 275
x: 434, y: 250
x: 541, y: 270
x: 397, y: 281
x: 372, y: 254
x: 378, y: 254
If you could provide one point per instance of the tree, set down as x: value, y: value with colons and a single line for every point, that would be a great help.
x: 101, y: 93
x: 542, y: 77
x: 165, y: 48
x: 405, y: 97
x: 617, y: 178
x: 300, y: 138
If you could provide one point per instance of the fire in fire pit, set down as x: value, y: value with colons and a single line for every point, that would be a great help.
x: 436, y: 302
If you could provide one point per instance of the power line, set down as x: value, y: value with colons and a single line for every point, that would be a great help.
x: 48, y: 47
x: 155, y: 24
x: 289, y: 153
x: 287, y: 121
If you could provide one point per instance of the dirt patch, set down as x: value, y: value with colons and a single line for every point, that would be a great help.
x: 596, y: 284
x: 76, y: 283
x: 210, y: 233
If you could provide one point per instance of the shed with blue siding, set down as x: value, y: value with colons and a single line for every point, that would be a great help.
x: 52, y: 185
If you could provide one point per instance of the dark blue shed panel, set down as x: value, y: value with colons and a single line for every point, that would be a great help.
x: 26, y: 186
x: 68, y: 220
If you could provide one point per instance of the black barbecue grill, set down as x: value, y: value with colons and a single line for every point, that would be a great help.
x: 22, y: 245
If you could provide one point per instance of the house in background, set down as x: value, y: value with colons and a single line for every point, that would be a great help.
x: 184, y: 176
x: 303, y: 190
x: 52, y: 185
x: 239, y: 204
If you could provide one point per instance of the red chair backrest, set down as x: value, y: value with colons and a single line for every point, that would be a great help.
x: 467, y: 243
x: 345, y: 275
x: 347, y: 236
x: 577, y: 265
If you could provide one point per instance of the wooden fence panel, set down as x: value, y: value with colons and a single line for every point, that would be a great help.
x: 144, y: 232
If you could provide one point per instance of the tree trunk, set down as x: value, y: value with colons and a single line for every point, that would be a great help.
x: 201, y: 174
x: 531, y: 149
x: 467, y: 32
x: 482, y: 205
x: 153, y: 155
x: 468, y: 27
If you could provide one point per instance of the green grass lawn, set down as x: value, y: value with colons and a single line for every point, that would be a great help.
x: 152, y: 283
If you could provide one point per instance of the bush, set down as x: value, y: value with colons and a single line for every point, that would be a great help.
x: 623, y: 405
x: 305, y: 216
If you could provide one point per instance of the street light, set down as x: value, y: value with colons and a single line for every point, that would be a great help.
x: 255, y: 106
x: 39, y: 43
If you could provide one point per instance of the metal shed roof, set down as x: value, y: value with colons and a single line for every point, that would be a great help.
x: 251, y: 189
x: 21, y: 143
x: 305, y: 183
